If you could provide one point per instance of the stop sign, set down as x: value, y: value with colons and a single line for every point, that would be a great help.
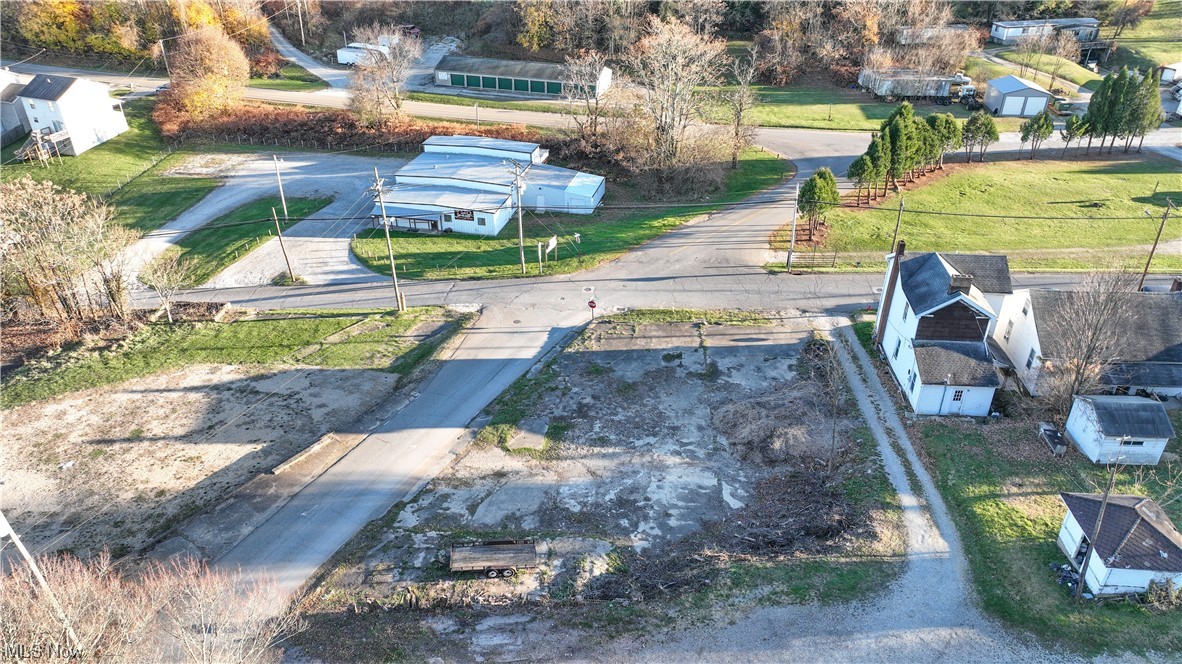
x: 591, y: 304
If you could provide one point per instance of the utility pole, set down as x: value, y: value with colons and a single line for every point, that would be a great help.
x: 6, y: 530
x: 1153, y: 249
x: 898, y: 222
x: 282, y: 247
x: 1083, y: 570
x: 282, y: 198
x: 518, y: 171
x: 164, y: 54
x: 400, y: 302
x: 300, y: 14
x: 792, y: 238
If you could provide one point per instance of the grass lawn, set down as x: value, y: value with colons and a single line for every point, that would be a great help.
x: 1157, y: 41
x: 1099, y: 188
x: 293, y: 78
x: 1040, y: 70
x: 605, y: 234
x: 1002, y: 487
x: 212, y: 250
x: 273, y: 339
x: 149, y: 200
x: 827, y: 106
x: 457, y: 100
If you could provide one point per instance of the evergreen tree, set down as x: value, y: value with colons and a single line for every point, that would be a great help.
x: 817, y: 195
x: 980, y: 131
x: 900, y: 134
x: 948, y: 133
x: 861, y: 173
x: 1073, y: 129
x: 1149, y: 111
x: 1097, y: 110
x: 1116, y: 116
x: 1036, y: 130
x: 880, y: 155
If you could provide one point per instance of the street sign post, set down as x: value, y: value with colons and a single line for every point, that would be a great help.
x: 591, y: 304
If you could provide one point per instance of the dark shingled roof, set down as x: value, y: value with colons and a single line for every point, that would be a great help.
x: 1135, y: 534
x: 1136, y: 417
x: 1143, y: 374
x: 925, y: 279
x: 1153, y: 332
x: 968, y: 362
x: 506, y: 68
x: 50, y: 88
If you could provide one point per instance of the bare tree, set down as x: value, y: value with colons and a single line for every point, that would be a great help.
x: 739, y: 100
x: 1025, y: 48
x: 1129, y: 15
x: 63, y: 248
x: 702, y: 16
x: 168, y: 275
x: 587, y: 103
x: 779, y: 55
x: 1065, y: 47
x: 669, y: 65
x: 1163, y: 482
x: 380, y: 77
x: 1083, y: 331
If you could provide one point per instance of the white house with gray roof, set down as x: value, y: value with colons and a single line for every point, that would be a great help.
x: 75, y: 114
x: 468, y: 184
x: 935, y: 316
x: 1136, y: 544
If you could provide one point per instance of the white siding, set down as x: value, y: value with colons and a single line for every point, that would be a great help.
x: 86, y: 111
x: 899, y: 333
x: 1023, y: 337
x: 535, y: 157
x: 1083, y: 429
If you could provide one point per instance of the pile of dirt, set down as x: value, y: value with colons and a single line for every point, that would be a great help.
x: 776, y: 426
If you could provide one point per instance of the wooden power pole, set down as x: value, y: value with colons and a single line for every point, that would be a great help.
x: 399, y: 301
x: 282, y: 247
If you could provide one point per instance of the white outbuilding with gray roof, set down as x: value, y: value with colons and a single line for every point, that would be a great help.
x: 1013, y: 96
x: 1119, y: 428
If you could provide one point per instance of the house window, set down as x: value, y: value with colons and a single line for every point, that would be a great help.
x: 911, y: 381
x: 32, y: 104
x: 448, y: 218
x: 1030, y: 359
x: 898, y: 345
x: 481, y: 221
x: 50, y: 105
x: 1132, y: 443
x: 1009, y: 330
x: 906, y: 310
x: 958, y: 395
x: 1026, y: 308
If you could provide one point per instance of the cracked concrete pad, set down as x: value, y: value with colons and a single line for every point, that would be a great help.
x: 531, y: 434
x: 518, y: 499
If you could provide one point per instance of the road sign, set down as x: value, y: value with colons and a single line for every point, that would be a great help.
x: 591, y: 303
x: 552, y: 244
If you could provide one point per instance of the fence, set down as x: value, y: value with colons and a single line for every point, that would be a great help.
x: 159, y: 157
x: 814, y: 260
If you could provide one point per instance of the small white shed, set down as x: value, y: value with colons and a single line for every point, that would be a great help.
x: 1171, y: 73
x: 1128, y: 429
x: 1013, y: 96
x: 1137, y: 543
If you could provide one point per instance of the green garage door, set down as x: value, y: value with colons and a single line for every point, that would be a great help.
x: 553, y: 88
x: 488, y: 82
x: 520, y: 85
x: 457, y: 79
x: 473, y: 81
x: 537, y: 86
x: 504, y: 84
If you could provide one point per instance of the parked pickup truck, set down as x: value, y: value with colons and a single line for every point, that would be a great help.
x: 494, y: 558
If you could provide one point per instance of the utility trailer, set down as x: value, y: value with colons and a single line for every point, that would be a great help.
x: 908, y: 84
x: 496, y: 558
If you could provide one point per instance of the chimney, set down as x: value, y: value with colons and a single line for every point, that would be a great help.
x: 960, y: 283
x: 888, y: 293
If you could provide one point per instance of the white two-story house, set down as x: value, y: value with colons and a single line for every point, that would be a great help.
x: 75, y: 114
x: 935, y: 317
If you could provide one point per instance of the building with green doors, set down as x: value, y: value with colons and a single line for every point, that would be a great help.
x: 510, y: 76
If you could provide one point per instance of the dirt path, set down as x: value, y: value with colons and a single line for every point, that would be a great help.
x: 927, y: 615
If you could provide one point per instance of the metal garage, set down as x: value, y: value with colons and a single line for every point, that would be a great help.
x: 1013, y: 96
x: 512, y: 76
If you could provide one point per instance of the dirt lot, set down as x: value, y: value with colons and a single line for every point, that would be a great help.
x: 122, y: 464
x: 648, y: 461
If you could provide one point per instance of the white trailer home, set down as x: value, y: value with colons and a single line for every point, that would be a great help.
x: 1009, y: 32
x: 1010, y: 95
x: 1119, y: 429
x: 1137, y: 543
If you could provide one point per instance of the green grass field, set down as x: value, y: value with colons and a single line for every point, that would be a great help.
x: 274, y: 339
x: 1091, y: 189
x: 1041, y: 66
x: 605, y: 234
x: 1002, y: 487
x: 1157, y: 41
x: 292, y: 78
x: 149, y: 200
x: 211, y: 250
